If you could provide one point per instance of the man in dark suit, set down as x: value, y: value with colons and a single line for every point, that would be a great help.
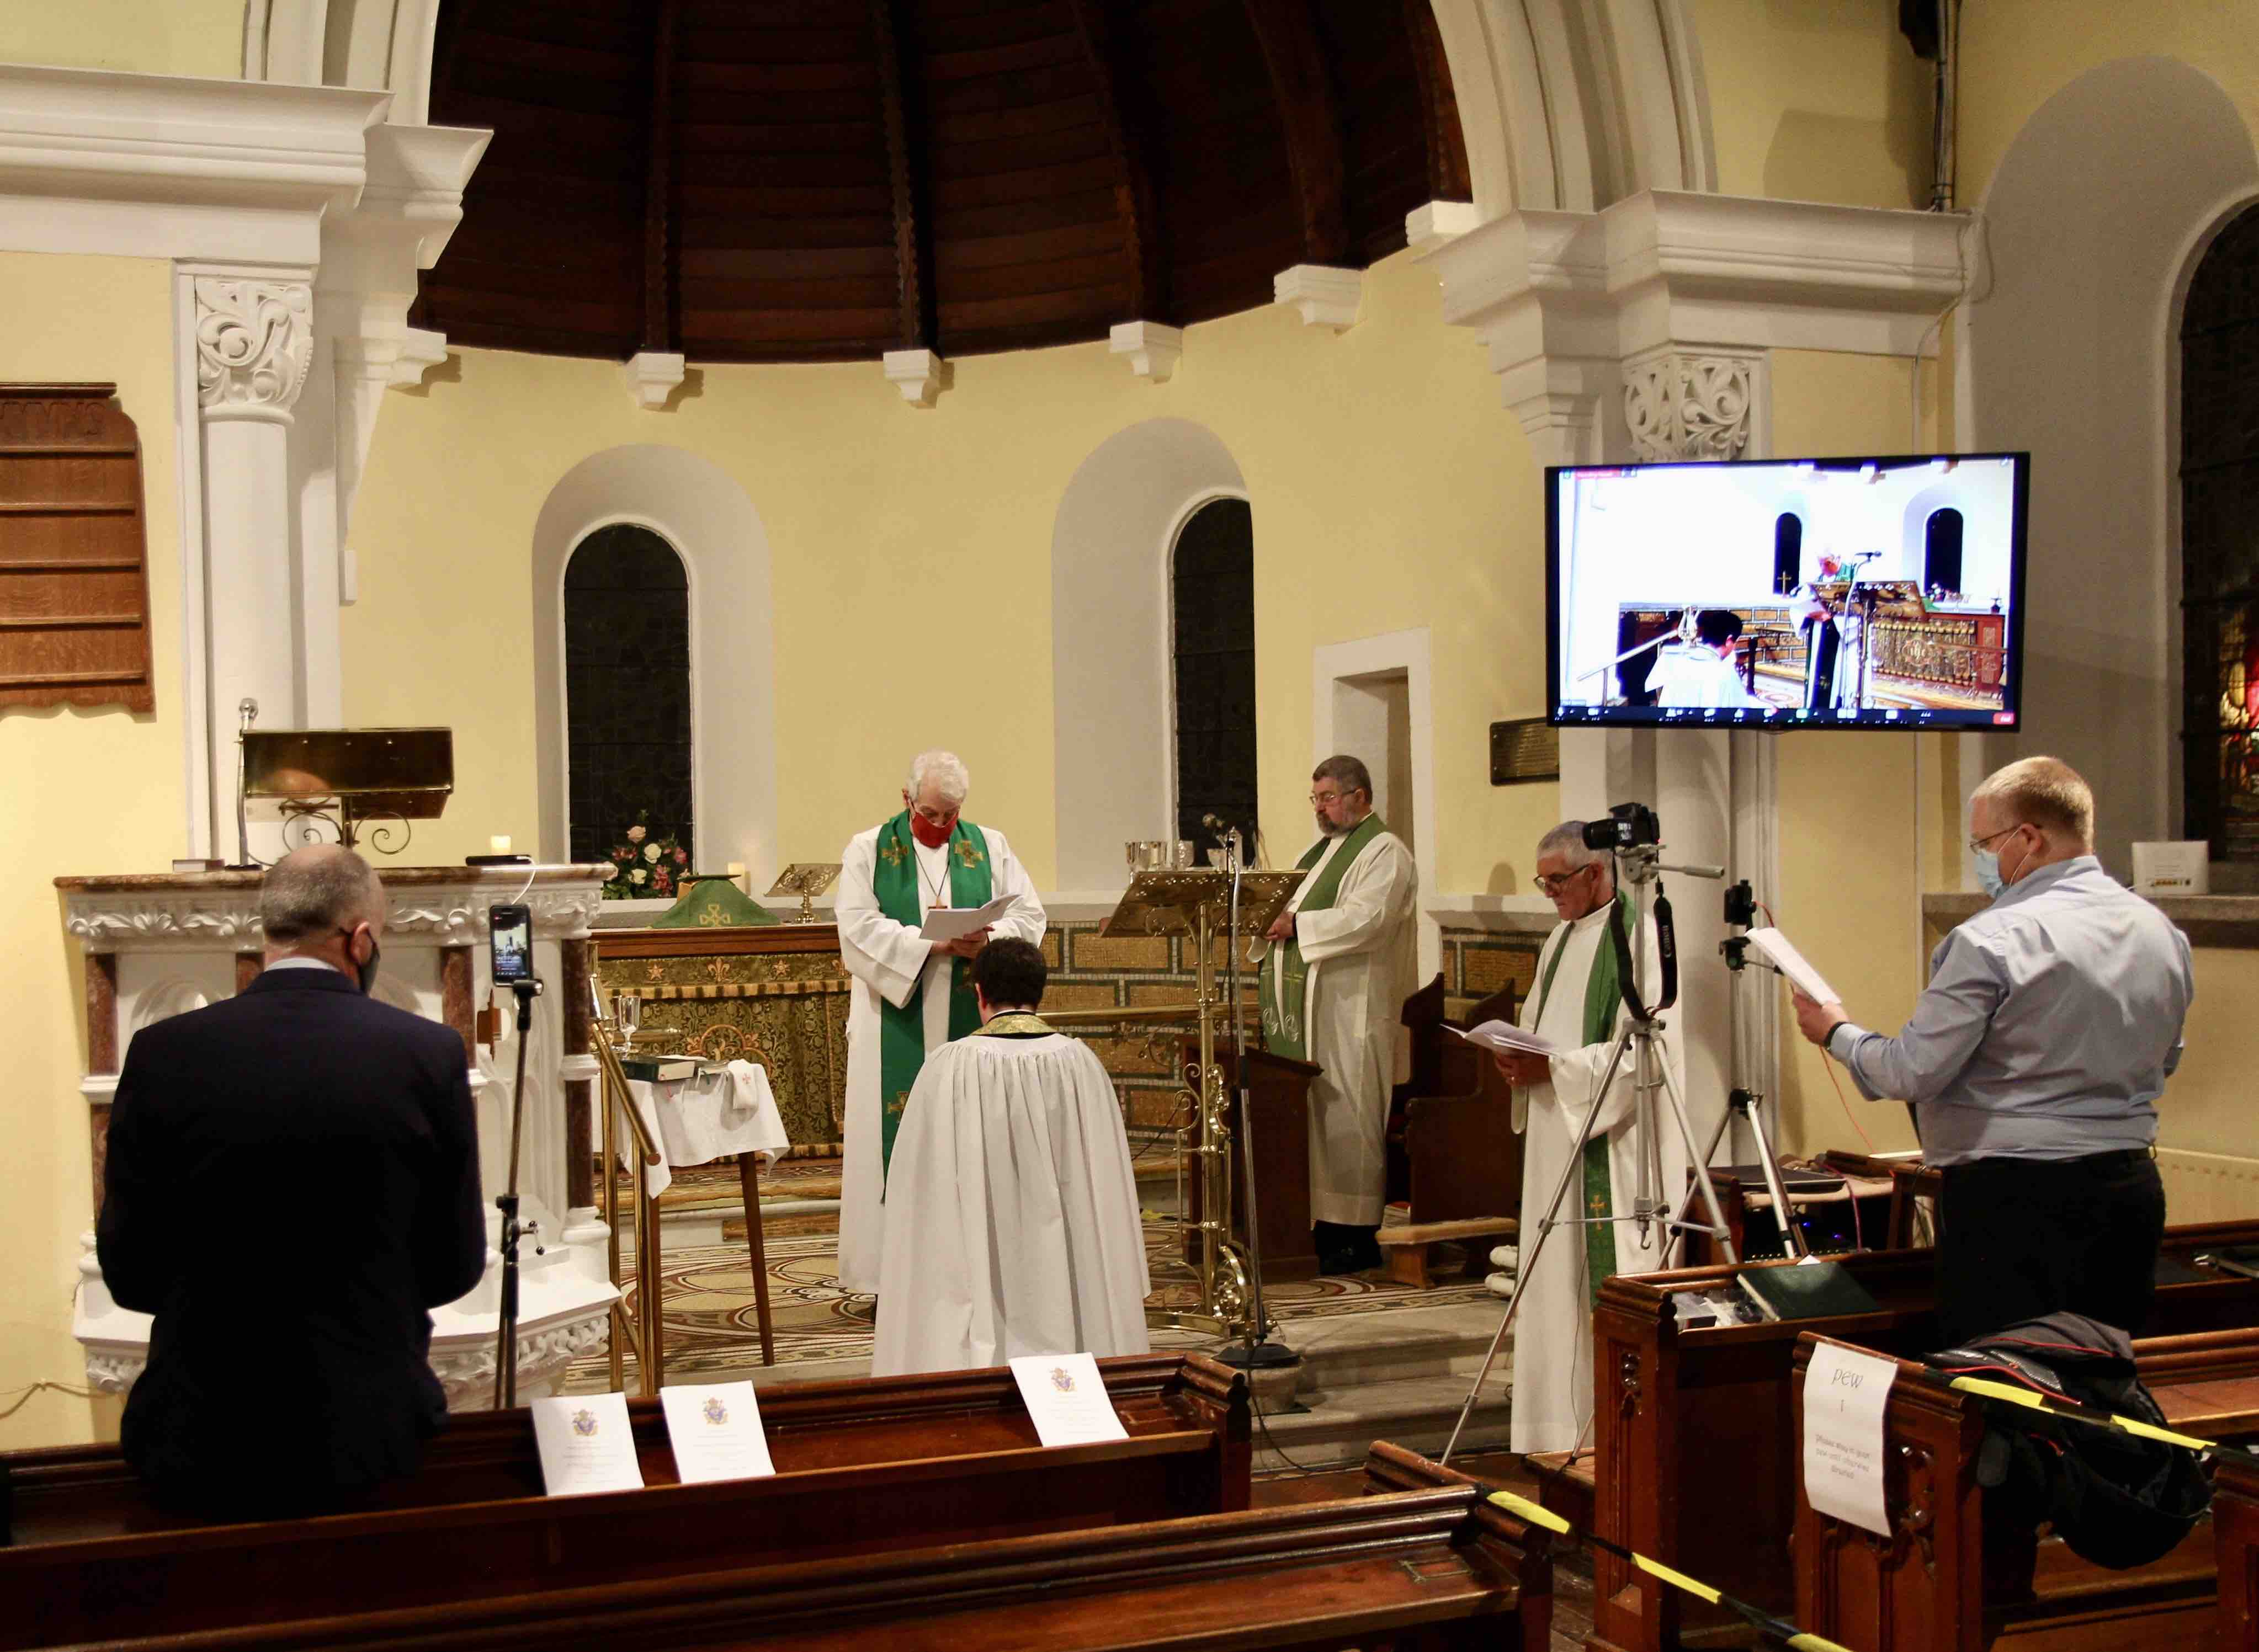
x: 292, y: 1182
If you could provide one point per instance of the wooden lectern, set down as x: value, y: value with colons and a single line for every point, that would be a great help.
x: 1278, y: 1089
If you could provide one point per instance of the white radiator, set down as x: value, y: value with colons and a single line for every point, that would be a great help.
x: 2208, y: 1186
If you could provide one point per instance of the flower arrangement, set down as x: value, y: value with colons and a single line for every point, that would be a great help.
x: 645, y: 867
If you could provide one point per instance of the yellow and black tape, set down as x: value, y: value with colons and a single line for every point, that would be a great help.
x: 1778, y: 1628
x: 2071, y: 1411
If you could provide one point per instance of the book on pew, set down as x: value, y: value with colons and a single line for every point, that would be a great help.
x: 1806, y: 1291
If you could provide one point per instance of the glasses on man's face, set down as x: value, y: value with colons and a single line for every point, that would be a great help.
x: 1550, y: 883
x: 1326, y: 800
x: 1977, y: 844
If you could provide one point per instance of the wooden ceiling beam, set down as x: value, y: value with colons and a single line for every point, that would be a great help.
x: 1128, y: 137
x: 1439, y: 105
x: 909, y: 172
x: 1287, y: 31
x: 658, y: 330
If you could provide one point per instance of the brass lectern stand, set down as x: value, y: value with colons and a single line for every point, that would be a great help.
x: 1197, y: 904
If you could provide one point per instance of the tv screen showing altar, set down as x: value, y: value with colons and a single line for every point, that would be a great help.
x: 1821, y: 592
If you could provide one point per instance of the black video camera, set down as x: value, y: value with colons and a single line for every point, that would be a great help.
x: 1628, y: 826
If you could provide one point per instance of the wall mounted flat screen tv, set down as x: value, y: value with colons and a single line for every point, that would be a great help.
x: 1882, y: 593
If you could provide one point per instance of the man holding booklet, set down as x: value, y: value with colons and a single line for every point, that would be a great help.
x: 2033, y: 1062
x: 912, y: 993
x: 1575, y: 1011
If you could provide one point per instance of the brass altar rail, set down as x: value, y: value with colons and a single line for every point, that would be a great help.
x: 1141, y: 1013
x: 644, y: 1329
x: 737, y: 989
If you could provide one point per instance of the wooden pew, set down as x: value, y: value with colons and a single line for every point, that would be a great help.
x: 1421, y: 1561
x: 2236, y: 1550
x: 1454, y: 1160
x: 1938, y: 1585
x: 1691, y: 1463
x: 871, y: 1464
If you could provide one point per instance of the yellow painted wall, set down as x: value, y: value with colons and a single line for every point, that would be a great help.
x: 86, y: 792
x: 1816, y: 100
x: 1390, y: 490
x: 151, y: 36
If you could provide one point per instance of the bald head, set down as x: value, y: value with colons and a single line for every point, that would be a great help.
x: 313, y: 902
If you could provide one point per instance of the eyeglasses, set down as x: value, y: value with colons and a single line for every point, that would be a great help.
x: 1553, y: 883
x: 1321, y: 799
x: 1977, y: 844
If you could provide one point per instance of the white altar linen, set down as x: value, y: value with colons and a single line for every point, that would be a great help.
x: 1012, y: 1220
x: 698, y: 1120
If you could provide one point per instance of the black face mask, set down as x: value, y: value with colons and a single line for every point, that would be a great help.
x: 367, y: 972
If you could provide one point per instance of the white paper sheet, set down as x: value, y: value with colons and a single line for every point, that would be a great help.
x: 1844, y: 1392
x: 716, y: 1430
x: 1066, y: 1399
x: 1790, y: 963
x: 586, y: 1444
x: 946, y: 923
x: 1502, y: 1034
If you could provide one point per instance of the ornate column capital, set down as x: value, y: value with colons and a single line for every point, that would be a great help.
x: 1678, y: 405
x: 254, y: 342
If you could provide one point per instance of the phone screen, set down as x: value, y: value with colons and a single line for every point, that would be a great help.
x: 511, y: 931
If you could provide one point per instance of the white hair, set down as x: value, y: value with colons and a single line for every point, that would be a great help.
x: 947, y: 772
x: 1567, y: 840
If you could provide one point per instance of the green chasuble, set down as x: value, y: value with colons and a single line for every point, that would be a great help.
x: 901, y: 1029
x: 1602, y: 994
x: 1281, y: 988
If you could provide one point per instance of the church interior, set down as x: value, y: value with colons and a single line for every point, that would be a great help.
x: 648, y: 425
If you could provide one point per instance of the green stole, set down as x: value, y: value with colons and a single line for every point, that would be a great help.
x: 1281, y: 986
x: 901, y: 1028
x: 1602, y: 994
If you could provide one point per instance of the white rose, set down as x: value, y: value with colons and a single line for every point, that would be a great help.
x: 638, y: 875
x: 651, y: 851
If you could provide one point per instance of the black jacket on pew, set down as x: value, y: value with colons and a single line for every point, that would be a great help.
x: 292, y: 1180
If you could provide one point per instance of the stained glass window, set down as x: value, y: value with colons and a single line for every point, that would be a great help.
x: 2220, y: 542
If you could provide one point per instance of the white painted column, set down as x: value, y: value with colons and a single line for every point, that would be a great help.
x: 253, y: 339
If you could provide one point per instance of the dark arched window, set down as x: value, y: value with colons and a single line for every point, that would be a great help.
x: 1212, y: 602
x: 1787, y: 552
x: 2220, y: 543
x: 627, y: 697
x: 1940, y: 550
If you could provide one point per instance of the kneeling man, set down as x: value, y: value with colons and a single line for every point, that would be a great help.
x: 1012, y: 1222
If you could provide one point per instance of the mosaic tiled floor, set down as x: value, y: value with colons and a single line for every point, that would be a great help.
x: 710, y: 1326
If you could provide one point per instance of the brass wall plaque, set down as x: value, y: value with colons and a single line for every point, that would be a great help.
x: 1525, y: 749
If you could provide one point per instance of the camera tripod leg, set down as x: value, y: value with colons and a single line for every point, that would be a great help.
x: 1525, y: 1266
x: 1700, y: 1172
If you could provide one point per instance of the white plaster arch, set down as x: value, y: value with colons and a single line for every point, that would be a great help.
x: 1571, y: 104
x: 373, y: 45
x: 1111, y: 541
x: 2091, y: 223
x: 702, y: 511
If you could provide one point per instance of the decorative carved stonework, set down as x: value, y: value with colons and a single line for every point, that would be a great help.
x: 254, y: 342
x: 200, y: 918
x: 467, y: 1374
x: 1687, y: 406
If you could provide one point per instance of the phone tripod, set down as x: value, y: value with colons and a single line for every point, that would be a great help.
x: 1641, y: 1040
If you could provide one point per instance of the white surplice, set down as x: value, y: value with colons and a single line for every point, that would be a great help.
x: 888, y: 959
x: 1012, y: 1224
x: 1553, y: 1327
x: 1362, y: 952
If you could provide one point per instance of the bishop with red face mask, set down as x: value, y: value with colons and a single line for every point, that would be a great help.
x: 910, y: 995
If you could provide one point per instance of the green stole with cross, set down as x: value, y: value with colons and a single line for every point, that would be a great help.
x: 1602, y: 993
x: 1281, y: 985
x: 902, y: 1027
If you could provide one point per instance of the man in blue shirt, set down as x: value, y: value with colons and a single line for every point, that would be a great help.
x: 2034, y: 1062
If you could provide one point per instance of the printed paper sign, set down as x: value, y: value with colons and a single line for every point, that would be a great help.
x: 1844, y: 1392
x: 1066, y: 1399
x: 587, y: 1444
x: 716, y: 1430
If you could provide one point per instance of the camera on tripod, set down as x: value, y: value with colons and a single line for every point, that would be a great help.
x: 1628, y: 826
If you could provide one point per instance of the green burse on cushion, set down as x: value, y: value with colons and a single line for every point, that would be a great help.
x: 1805, y: 1291
x: 713, y: 903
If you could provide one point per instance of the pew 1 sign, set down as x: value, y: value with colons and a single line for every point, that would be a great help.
x: 1883, y: 593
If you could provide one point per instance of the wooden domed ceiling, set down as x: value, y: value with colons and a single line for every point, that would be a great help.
x: 823, y: 179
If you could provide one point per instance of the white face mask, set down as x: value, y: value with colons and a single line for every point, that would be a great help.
x: 1988, y: 873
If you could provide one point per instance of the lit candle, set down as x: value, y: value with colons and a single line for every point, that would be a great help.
x: 498, y: 845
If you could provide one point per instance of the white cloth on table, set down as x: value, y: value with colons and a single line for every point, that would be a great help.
x: 1362, y: 952
x: 888, y: 959
x: 697, y: 1120
x: 1553, y: 1327
x: 1012, y: 1220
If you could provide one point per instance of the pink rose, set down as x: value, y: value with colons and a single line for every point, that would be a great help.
x: 636, y: 834
x: 681, y: 857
